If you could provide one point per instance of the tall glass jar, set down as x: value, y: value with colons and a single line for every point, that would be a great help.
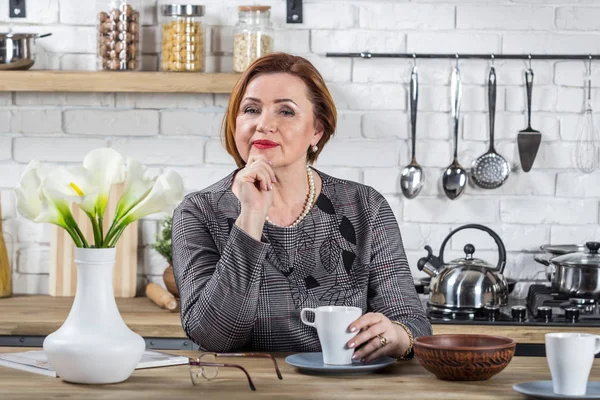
x: 252, y: 36
x: 182, y: 38
x: 118, y: 23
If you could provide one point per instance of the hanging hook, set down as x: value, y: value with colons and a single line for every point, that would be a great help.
x: 492, y: 59
x: 529, y: 61
x: 414, y: 60
x: 590, y: 66
x: 457, y: 60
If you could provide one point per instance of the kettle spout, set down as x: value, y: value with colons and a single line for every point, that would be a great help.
x: 430, y: 264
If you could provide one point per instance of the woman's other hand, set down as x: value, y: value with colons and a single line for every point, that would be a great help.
x: 378, y: 337
x: 254, y: 187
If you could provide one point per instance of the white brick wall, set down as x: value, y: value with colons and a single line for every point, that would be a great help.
x: 553, y: 203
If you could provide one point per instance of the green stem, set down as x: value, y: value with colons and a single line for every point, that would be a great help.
x: 117, y: 235
x: 97, y: 233
x: 73, y: 235
x: 73, y: 225
x: 110, y: 233
x: 100, y: 219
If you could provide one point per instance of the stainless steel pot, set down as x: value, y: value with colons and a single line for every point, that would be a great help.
x: 467, y: 283
x: 16, y: 50
x: 576, y: 274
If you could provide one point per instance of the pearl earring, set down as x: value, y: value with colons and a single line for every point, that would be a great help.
x: 315, y: 148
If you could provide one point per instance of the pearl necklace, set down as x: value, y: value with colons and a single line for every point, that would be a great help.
x: 309, y: 202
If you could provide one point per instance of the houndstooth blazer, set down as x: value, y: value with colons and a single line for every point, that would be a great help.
x: 240, y: 293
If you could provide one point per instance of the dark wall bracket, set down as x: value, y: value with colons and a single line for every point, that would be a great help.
x: 294, y: 11
x: 16, y: 9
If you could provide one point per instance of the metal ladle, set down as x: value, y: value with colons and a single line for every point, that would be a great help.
x: 455, y: 177
x: 412, y: 177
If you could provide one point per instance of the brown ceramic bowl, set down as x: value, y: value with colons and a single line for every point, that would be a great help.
x: 464, y: 357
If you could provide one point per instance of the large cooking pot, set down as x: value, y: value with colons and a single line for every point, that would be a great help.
x: 466, y: 283
x: 16, y: 50
x: 575, y: 274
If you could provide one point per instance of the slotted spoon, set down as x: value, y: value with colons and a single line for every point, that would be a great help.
x: 490, y: 170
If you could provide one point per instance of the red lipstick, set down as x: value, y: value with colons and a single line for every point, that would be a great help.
x: 264, y: 144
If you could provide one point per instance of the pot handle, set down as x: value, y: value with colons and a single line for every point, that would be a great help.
x: 42, y: 36
x: 541, y: 260
x: 494, y: 235
x: 550, y: 271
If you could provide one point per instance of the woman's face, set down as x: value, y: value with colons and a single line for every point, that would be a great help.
x: 275, y: 120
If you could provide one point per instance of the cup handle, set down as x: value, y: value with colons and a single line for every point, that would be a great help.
x: 307, y: 322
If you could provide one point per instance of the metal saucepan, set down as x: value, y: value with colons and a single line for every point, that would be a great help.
x: 575, y: 274
x: 16, y: 50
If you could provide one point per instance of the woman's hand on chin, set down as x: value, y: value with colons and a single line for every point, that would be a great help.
x: 253, y: 185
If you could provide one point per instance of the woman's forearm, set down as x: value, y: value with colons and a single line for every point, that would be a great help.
x: 219, y: 292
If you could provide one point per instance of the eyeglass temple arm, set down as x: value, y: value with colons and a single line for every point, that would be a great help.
x: 209, y: 364
x: 256, y: 355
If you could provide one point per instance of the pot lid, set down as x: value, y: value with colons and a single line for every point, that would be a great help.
x: 590, y: 257
x: 469, y: 260
x: 560, y: 249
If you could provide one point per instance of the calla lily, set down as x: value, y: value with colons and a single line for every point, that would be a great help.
x: 72, y: 184
x: 165, y: 195
x: 34, y: 204
x: 137, y: 186
x: 31, y: 201
x: 107, y: 168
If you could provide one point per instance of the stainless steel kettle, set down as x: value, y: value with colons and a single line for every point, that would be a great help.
x: 466, y: 283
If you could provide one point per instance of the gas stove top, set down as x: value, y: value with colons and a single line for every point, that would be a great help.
x: 541, y: 308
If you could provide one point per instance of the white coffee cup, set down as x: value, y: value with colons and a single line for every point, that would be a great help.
x: 570, y: 357
x: 332, y: 323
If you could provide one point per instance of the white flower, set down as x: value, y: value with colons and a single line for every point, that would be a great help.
x: 137, y: 186
x: 165, y: 195
x: 107, y: 168
x: 32, y: 203
x: 74, y: 185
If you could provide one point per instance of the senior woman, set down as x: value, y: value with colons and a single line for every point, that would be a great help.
x: 276, y: 235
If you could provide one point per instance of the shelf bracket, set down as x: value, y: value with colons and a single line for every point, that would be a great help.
x: 294, y: 11
x: 16, y: 9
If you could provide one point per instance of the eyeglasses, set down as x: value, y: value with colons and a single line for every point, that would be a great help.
x: 204, y: 368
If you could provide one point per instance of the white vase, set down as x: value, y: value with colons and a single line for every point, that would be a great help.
x: 94, y: 345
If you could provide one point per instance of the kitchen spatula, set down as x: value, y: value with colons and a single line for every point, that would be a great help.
x: 528, y: 140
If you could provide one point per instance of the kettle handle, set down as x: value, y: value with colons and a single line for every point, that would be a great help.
x: 501, y: 248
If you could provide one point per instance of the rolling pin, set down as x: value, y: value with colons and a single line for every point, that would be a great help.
x: 161, y: 297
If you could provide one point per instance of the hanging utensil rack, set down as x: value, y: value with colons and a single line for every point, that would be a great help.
x: 368, y: 55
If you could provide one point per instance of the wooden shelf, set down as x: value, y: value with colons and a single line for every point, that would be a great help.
x: 100, y: 81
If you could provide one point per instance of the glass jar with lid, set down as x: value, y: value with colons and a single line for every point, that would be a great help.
x: 252, y: 36
x: 182, y: 38
x: 118, y: 24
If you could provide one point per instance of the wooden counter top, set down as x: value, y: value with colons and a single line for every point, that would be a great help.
x: 42, y: 315
x: 402, y: 380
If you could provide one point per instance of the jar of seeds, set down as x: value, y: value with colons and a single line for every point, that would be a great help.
x: 118, y: 23
x: 252, y: 36
x: 182, y: 38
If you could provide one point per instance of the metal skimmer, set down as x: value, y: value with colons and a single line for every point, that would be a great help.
x: 490, y: 170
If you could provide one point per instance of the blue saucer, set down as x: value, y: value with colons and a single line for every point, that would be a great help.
x: 313, y: 362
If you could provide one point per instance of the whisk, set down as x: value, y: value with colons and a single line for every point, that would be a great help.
x: 587, y: 150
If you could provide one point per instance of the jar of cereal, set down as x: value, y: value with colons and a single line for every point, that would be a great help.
x: 252, y: 36
x: 118, y: 35
x: 182, y: 43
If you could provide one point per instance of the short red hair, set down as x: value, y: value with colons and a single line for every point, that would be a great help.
x: 325, y: 113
